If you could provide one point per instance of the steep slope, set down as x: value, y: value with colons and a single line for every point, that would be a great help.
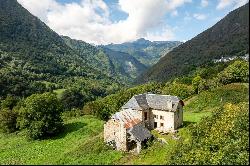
x: 147, y: 52
x: 113, y: 63
x: 123, y: 62
x: 228, y: 37
x: 30, y: 52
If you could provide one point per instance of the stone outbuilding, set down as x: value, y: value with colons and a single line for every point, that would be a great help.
x: 129, y: 128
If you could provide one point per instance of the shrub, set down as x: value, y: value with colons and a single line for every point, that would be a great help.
x: 9, y: 102
x: 41, y: 115
x: 236, y: 72
x: 74, y: 112
x: 181, y: 90
x: 8, y: 121
x: 72, y: 99
x: 222, y: 139
x: 196, y: 82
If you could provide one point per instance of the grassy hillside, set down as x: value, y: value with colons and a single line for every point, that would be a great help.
x: 82, y: 141
x: 226, y: 38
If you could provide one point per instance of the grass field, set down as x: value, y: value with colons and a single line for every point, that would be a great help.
x: 82, y: 141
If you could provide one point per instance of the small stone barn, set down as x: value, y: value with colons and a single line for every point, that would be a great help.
x: 129, y: 128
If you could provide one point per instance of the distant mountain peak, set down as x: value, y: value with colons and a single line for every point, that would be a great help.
x: 142, y: 41
x: 226, y: 38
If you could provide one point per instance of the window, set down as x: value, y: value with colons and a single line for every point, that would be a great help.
x: 155, y: 124
x: 162, y: 124
x: 162, y: 117
x: 156, y: 116
x: 145, y: 115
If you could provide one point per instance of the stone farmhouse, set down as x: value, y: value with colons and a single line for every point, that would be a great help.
x: 129, y: 128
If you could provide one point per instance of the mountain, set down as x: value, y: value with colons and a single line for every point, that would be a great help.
x: 147, y: 52
x: 126, y: 64
x: 228, y: 37
x: 112, y: 63
x: 33, y: 56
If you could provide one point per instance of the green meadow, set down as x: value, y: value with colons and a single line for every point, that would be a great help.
x: 82, y: 140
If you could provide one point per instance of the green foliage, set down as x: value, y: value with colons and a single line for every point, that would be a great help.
x: 104, y: 107
x: 34, y: 59
x: 220, y: 139
x: 74, y: 112
x: 72, y: 98
x: 233, y: 93
x: 196, y: 82
x: 8, y: 120
x: 9, y: 102
x: 177, y: 89
x: 236, y: 72
x: 41, y: 115
x: 184, y: 80
x: 109, y: 62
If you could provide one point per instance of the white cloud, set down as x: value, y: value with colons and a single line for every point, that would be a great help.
x: 204, y: 3
x: 89, y: 20
x: 199, y: 16
x: 174, y: 13
x: 226, y: 3
x: 163, y: 34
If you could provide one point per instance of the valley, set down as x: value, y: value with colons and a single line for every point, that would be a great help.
x: 56, y: 92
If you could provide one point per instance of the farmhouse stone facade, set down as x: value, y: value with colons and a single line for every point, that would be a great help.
x: 129, y: 128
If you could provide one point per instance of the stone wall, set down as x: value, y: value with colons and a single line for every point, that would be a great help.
x: 178, y: 117
x: 115, y: 131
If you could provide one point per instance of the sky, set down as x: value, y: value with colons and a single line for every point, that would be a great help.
x: 117, y: 21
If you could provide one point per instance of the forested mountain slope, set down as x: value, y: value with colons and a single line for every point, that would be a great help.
x: 147, y: 52
x: 228, y: 37
x: 112, y: 63
x: 32, y: 56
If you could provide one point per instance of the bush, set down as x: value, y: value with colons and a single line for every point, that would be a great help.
x: 196, y: 82
x: 236, y: 72
x: 72, y: 99
x: 75, y: 112
x: 181, y: 90
x: 41, y: 115
x: 221, y: 139
x: 8, y: 121
x: 9, y: 102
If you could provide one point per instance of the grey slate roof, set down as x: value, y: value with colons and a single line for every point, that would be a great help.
x: 139, y: 132
x: 153, y: 101
x: 132, y: 103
